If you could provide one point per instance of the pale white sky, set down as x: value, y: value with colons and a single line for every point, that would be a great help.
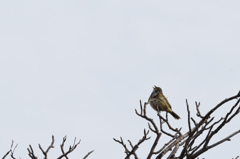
x: 79, y: 68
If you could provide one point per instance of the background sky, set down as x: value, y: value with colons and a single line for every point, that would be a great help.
x: 79, y: 68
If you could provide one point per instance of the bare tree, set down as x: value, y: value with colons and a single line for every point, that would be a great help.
x: 31, y: 154
x: 185, y: 144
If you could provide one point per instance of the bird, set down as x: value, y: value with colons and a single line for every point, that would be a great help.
x: 160, y: 103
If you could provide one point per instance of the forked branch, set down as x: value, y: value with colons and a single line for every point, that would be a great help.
x: 204, y: 130
x: 45, y: 153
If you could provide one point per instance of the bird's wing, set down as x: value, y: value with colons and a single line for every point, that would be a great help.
x: 164, y: 100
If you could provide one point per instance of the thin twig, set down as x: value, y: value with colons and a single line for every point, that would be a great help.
x: 71, y: 148
x: 88, y: 154
x: 45, y: 153
x: 189, y: 117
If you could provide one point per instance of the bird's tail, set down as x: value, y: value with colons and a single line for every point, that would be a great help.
x: 175, y: 115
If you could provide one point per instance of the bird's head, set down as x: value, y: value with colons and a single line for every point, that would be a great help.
x: 157, y: 89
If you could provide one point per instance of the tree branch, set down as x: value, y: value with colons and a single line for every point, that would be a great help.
x: 88, y: 154
x: 11, y: 151
x: 201, y: 131
x: 45, y: 153
x: 71, y: 148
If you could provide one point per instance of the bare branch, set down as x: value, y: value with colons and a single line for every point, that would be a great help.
x: 88, y: 154
x: 45, y: 153
x: 195, y: 123
x: 172, y: 155
x: 189, y: 117
x: 123, y: 144
x: 223, y: 140
x: 198, y: 111
x: 207, y: 127
x: 179, y: 139
x: 71, y: 148
x: 154, y: 146
x: 134, y: 148
x: 161, y: 128
x: 169, y: 126
x: 11, y: 151
x: 6, y: 154
x: 143, y: 115
x: 31, y: 153
x: 205, y: 119
x: 165, y: 145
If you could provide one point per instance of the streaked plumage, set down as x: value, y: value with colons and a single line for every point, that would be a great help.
x: 160, y: 103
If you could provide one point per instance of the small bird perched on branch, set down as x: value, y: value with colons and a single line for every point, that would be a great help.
x: 160, y: 103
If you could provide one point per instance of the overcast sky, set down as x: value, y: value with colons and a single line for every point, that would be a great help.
x: 79, y: 68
